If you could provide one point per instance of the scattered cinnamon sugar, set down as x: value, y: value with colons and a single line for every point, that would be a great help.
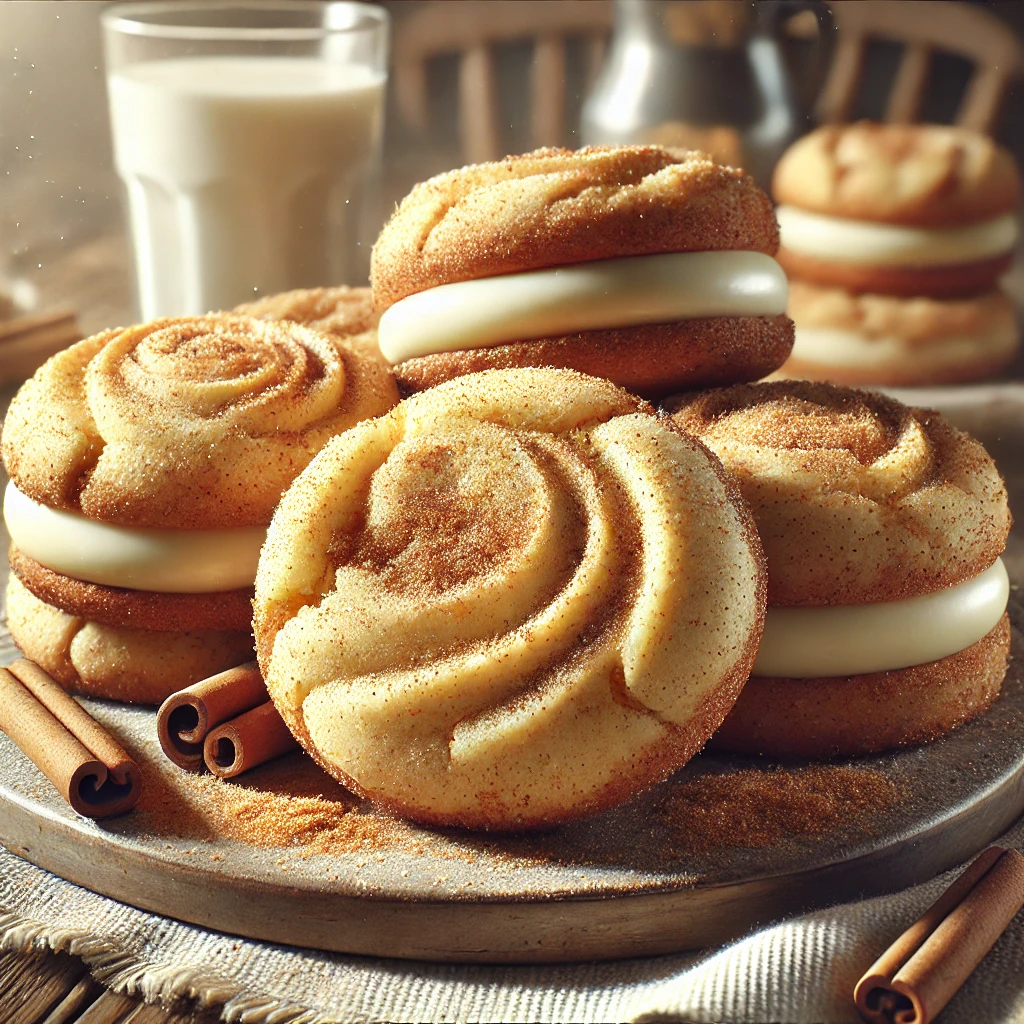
x: 291, y: 804
x: 288, y: 803
x: 755, y: 808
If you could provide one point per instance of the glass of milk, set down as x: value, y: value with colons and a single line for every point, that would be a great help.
x: 248, y: 137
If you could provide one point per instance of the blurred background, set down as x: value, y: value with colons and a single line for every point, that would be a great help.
x: 477, y: 79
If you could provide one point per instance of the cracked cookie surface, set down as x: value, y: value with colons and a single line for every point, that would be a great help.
x: 558, y: 206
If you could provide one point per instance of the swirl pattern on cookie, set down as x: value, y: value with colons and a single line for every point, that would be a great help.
x: 858, y: 498
x: 190, y: 423
x: 518, y: 598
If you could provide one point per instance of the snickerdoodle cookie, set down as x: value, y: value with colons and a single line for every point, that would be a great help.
x: 897, y: 209
x: 650, y: 267
x: 888, y: 340
x: 518, y: 598
x: 882, y: 527
x: 145, y: 463
x: 342, y: 311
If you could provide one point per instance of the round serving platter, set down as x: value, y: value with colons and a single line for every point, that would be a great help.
x: 723, y: 846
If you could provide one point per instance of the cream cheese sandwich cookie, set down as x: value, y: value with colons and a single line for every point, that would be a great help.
x: 650, y: 267
x: 882, y: 527
x: 517, y: 599
x: 145, y: 464
x: 897, y: 209
x: 902, y: 342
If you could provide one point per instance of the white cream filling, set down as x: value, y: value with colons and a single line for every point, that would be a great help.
x: 583, y: 297
x: 847, y: 640
x: 861, y: 241
x: 165, y: 561
x: 833, y: 346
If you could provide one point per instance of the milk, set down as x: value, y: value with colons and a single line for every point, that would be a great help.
x: 244, y: 174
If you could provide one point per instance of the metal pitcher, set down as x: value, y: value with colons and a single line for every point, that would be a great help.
x: 709, y: 76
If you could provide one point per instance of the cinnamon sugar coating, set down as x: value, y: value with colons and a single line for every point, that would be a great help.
x: 342, y: 311
x: 557, y: 206
x: 858, y: 499
x: 136, y: 609
x: 96, y: 660
x: 927, y: 175
x: 189, y: 423
x: 347, y: 313
x: 518, y: 598
x: 851, y: 715
x: 651, y: 360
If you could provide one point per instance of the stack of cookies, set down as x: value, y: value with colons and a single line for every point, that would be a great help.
x: 144, y: 466
x: 522, y: 594
x: 894, y: 238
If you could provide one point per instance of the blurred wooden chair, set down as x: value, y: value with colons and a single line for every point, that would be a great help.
x: 924, y: 26
x: 473, y: 29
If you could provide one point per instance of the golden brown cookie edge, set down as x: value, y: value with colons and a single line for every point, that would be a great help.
x: 651, y: 360
x: 863, y: 714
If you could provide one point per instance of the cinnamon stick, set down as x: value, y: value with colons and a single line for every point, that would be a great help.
x: 920, y: 972
x: 247, y: 741
x: 26, y: 342
x: 88, y: 767
x: 186, y: 717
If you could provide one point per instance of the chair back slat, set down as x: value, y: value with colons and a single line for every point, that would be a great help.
x: 982, y: 98
x: 923, y: 27
x: 473, y: 29
x: 548, y: 121
x: 478, y: 104
x: 907, y: 94
x: 835, y: 103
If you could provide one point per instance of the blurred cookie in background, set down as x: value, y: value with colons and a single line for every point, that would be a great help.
x: 898, y: 342
x: 897, y: 209
x: 894, y: 238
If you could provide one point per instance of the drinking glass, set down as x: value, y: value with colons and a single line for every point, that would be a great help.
x: 248, y: 137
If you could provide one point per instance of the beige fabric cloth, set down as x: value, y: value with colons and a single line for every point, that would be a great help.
x: 802, y: 970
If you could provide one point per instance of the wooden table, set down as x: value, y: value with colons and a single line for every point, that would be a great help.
x: 55, y: 988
